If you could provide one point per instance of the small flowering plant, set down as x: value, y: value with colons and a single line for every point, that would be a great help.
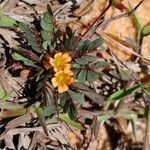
x: 61, y: 68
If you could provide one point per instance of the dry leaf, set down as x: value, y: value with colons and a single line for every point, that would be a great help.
x: 74, y: 140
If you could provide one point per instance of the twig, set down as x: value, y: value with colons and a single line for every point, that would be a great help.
x: 93, y: 27
x: 106, y: 22
x: 147, y: 132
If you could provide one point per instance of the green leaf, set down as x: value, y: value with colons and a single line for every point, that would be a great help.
x: 26, y: 61
x: 137, y: 18
x: 119, y: 95
x: 75, y: 65
x: 96, y: 43
x: 82, y: 75
x: 46, y: 44
x: 6, y: 21
x: 89, y: 58
x: 146, y: 30
x: 84, y: 46
x: 123, y: 93
x: 27, y: 54
x: 63, y: 99
x: 71, y: 44
x: 104, y: 117
x: 2, y: 91
x: 50, y: 107
x: 85, y: 60
x: 89, y: 46
x: 30, y: 37
x: 68, y: 105
x: 47, y: 22
x: 41, y: 118
x: 78, y: 97
x: 81, y: 61
x: 81, y: 86
x: 45, y: 35
x: 72, y: 112
x: 92, y: 76
x: 47, y: 28
x: 67, y: 120
x: 100, y: 64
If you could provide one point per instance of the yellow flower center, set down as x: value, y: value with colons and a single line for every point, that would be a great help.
x: 61, y: 78
x: 58, y: 62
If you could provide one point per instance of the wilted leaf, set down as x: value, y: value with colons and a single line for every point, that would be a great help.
x: 12, y: 113
x: 10, y: 105
x: 123, y: 74
x: 18, y: 121
x: 69, y: 32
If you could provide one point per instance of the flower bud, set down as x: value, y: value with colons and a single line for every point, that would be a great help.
x: 118, y: 4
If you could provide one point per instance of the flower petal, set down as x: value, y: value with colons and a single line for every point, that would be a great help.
x: 71, y: 80
x: 62, y: 88
x: 54, y: 82
x: 59, y: 72
x: 66, y: 57
x: 58, y: 55
x: 67, y: 66
x: 55, y: 69
x: 51, y: 61
x: 68, y: 71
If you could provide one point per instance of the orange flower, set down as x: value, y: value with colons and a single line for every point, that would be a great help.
x: 60, y: 61
x: 62, y: 79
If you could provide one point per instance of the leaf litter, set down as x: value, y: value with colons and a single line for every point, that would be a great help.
x: 109, y: 126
